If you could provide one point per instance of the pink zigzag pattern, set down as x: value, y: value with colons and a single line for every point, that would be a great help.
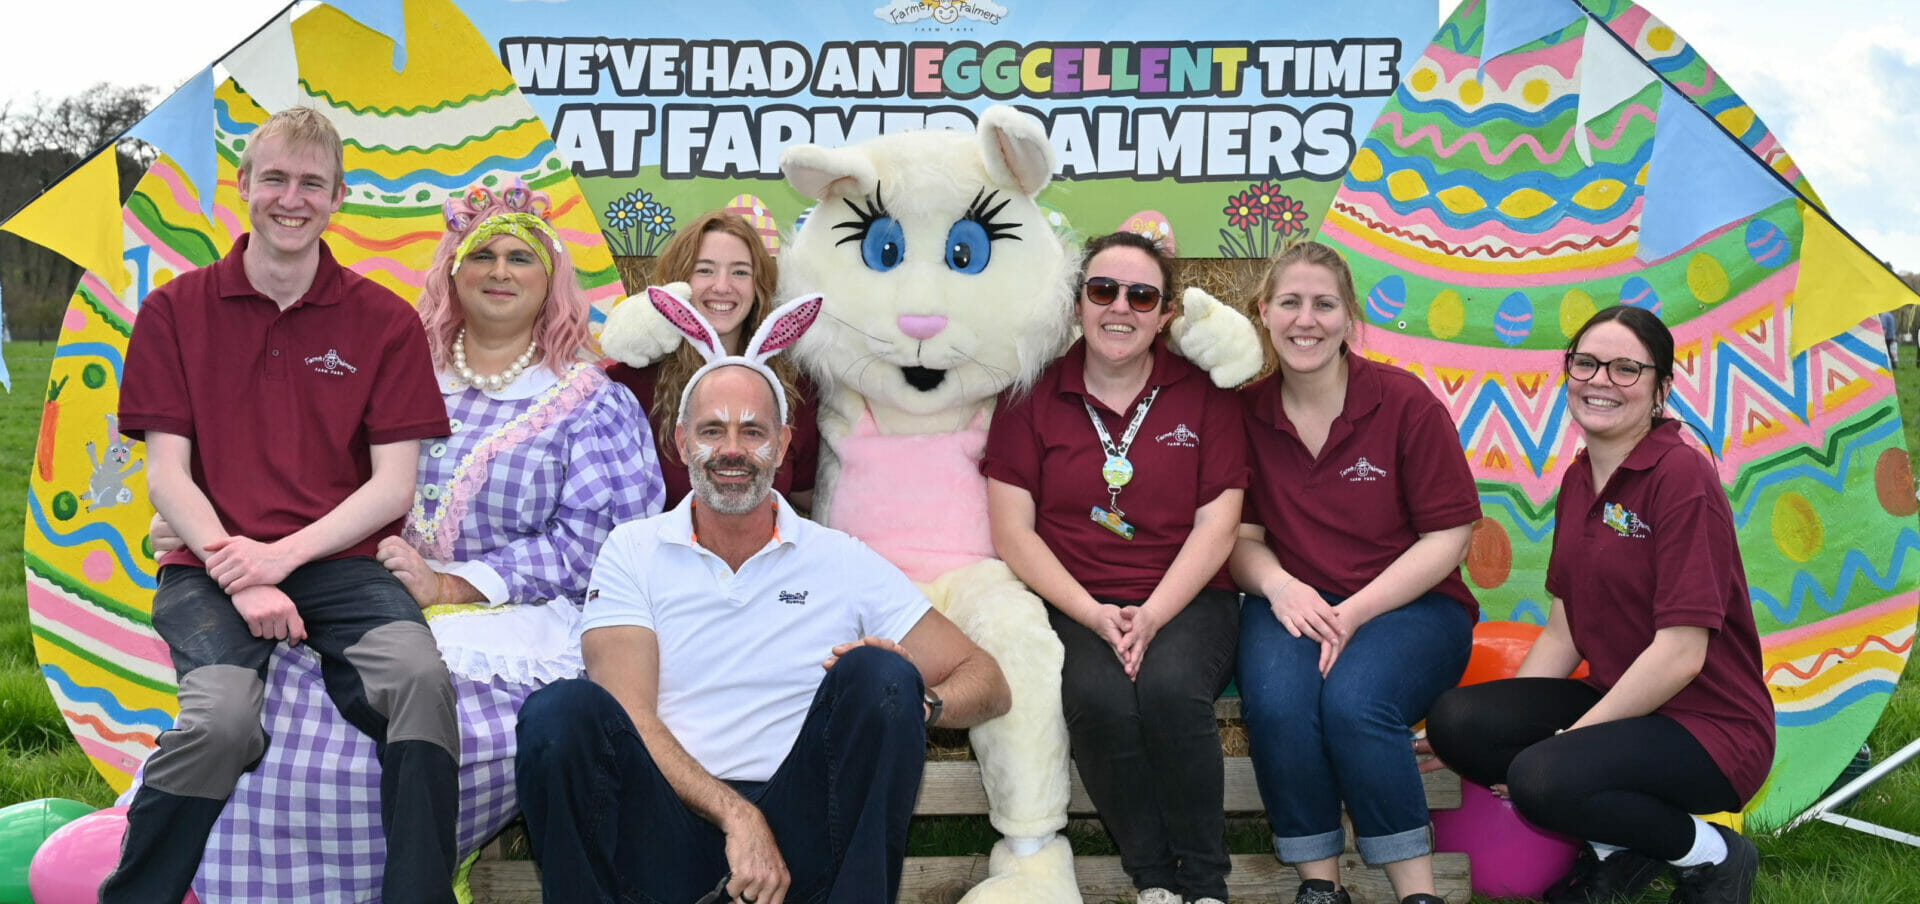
x: 1713, y: 333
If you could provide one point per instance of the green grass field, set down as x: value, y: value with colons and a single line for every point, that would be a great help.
x: 38, y: 758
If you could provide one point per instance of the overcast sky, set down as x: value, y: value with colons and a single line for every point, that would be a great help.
x: 1839, y: 80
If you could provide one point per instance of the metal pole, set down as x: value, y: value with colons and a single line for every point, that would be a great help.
x: 1822, y: 810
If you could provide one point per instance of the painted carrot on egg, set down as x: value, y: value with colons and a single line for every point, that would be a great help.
x: 49, y: 424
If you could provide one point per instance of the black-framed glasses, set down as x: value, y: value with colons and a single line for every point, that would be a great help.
x: 1102, y: 290
x: 1623, y: 372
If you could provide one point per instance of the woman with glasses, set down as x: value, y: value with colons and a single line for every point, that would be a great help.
x: 1114, y: 489
x: 1360, y: 510
x: 1674, y: 717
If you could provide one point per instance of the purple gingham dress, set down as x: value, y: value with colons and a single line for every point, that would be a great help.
x: 539, y: 496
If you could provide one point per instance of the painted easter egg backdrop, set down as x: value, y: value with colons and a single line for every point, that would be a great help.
x: 413, y: 139
x: 1498, y: 202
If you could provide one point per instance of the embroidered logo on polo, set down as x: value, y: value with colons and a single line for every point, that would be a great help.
x: 332, y: 364
x: 1180, y: 437
x: 1624, y: 522
x: 593, y: 594
x: 794, y: 597
x: 1363, y: 471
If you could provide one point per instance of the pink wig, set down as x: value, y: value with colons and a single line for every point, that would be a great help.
x: 561, y: 326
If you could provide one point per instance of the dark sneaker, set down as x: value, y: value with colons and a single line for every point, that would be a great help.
x: 1728, y: 882
x: 1423, y: 898
x: 1620, y: 877
x: 1320, y: 891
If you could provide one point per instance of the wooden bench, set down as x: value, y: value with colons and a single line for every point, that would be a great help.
x: 952, y: 788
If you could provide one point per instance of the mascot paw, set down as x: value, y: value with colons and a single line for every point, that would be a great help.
x: 1217, y: 339
x: 1045, y: 877
x: 636, y: 334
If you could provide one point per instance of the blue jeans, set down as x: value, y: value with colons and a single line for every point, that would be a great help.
x: 1316, y: 742
x: 606, y: 827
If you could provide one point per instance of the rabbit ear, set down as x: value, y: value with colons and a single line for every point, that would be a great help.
x: 686, y: 320
x: 784, y: 327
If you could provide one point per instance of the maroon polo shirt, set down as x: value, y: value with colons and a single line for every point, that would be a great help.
x: 1658, y: 549
x: 282, y: 406
x: 1189, y: 450
x: 1392, y: 468
x: 796, y: 470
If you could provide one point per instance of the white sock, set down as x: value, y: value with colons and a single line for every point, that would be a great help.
x: 1708, y: 845
x: 1603, y: 851
x: 1027, y: 845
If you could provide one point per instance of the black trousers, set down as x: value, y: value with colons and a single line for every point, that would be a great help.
x: 382, y: 669
x: 1149, y: 749
x: 1630, y: 783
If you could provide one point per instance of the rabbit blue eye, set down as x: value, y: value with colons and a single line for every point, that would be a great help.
x: 884, y: 245
x: 968, y: 248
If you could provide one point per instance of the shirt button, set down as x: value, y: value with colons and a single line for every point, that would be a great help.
x: 276, y: 353
x: 437, y: 450
x: 455, y: 424
x: 431, y: 491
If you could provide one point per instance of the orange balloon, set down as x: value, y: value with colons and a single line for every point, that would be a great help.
x: 1498, y: 649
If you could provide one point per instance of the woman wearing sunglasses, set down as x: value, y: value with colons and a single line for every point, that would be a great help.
x: 1673, y: 717
x: 1114, y: 489
x: 1360, y: 510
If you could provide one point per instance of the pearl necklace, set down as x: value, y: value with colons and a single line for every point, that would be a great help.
x: 489, y: 382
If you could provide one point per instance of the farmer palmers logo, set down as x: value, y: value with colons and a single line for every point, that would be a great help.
x: 945, y: 12
x: 1363, y: 471
x: 1181, y: 436
x: 332, y: 363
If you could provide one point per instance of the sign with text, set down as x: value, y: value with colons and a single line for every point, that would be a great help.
x: 1227, y: 122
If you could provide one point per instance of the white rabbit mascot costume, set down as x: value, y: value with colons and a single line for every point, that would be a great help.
x: 944, y: 285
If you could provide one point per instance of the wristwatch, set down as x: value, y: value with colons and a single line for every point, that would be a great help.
x: 934, y: 704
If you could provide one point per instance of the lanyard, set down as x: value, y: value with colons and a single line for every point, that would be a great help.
x: 1117, y: 470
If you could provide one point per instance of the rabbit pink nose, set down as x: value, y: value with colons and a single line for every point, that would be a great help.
x: 922, y: 326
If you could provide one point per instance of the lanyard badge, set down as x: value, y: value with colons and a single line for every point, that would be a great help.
x: 1117, y: 470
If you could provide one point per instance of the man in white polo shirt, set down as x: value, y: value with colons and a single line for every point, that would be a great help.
x: 758, y: 688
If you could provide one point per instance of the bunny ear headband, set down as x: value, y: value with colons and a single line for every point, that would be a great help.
x: 526, y: 214
x: 777, y: 333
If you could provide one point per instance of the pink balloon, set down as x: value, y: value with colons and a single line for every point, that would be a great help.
x: 1510, y: 857
x: 75, y: 859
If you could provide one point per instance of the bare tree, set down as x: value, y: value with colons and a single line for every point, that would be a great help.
x: 40, y: 140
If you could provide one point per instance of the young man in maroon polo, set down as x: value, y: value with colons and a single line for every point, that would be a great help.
x: 282, y: 400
